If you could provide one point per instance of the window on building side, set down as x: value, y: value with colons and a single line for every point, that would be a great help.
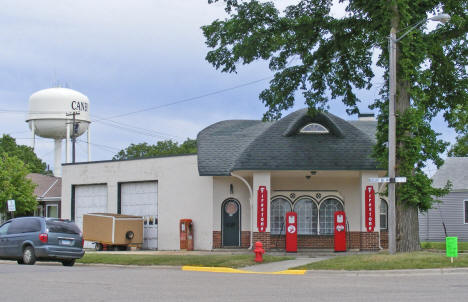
x: 279, y: 207
x: 383, y: 215
x: 327, y: 211
x: 307, y: 217
x: 466, y: 211
x: 314, y: 128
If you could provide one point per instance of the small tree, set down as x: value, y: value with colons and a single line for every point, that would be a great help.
x: 460, y: 148
x: 167, y: 147
x: 26, y: 154
x: 14, y: 185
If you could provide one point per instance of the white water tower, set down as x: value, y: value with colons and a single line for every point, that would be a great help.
x: 51, y: 116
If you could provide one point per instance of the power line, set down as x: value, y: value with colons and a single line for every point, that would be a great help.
x: 187, y: 99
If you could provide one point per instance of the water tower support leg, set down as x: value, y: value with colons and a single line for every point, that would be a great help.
x: 67, y: 144
x: 58, y: 157
x: 89, y: 145
x: 33, y: 135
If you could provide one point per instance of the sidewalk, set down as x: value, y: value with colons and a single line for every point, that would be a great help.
x: 282, y: 265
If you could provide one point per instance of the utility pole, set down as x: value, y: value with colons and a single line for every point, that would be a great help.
x: 392, y: 126
x: 392, y: 144
x: 75, y: 126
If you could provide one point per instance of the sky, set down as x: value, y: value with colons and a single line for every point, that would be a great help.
x: 143, y: 56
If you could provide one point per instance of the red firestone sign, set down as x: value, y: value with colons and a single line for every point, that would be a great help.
x: 370, y: 208
x: 262, y: 197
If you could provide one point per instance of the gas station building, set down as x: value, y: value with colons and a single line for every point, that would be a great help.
x: 246, y: 177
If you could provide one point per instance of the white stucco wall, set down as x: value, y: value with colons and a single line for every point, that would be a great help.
x: 221, y: 192
x: 182, y: 193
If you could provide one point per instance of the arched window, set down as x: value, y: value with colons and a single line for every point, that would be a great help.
x: 279, y: 207
x: 307, y: 217
x: 328, y: 207
x: 314, y: 128
x: 383, y: 214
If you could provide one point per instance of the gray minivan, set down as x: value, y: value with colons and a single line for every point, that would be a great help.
x: 27, y: 239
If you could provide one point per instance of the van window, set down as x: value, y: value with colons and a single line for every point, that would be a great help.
x: 62, y: 226
x: 24, y: 225
x: 4, y: 228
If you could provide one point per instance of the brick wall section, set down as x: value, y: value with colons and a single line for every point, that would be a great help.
x: 264, y: 238
x: 384, y: 239
x: 217, y: 242
x: 216, y: 239
x: 245, y: 239
x: 369, y: 241
x: 354, y: 240
x: 304, y: 241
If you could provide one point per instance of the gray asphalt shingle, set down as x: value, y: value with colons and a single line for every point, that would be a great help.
x: 254, y: 145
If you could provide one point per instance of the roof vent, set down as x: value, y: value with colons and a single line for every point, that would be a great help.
x: 366, y: 117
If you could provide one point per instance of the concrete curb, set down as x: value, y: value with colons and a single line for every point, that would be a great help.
x: 370, y: 273
x: 239, y: 271
x: 400, y: 272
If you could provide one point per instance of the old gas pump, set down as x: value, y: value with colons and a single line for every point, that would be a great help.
x: 291, y: 232
x: 186, y: 234
x: 340, y: 231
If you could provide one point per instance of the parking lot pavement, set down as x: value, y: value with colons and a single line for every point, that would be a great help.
x: 51, y: 282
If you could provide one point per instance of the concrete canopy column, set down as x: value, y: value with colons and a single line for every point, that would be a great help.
x: 369, y: 241
x: 261, y: 179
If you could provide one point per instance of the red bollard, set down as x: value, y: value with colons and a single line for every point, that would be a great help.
x: 259, y: 251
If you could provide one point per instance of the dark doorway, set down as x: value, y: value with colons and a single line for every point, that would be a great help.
x: 230, y: 220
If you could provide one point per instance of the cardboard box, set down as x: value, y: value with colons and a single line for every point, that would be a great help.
x: 113, y: 229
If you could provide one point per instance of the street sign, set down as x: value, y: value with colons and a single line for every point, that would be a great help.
x: 11, y: 205
x: 380, y: 179
x: 387, y: 179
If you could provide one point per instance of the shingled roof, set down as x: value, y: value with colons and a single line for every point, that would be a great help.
x: 455, y: 170
x: 255, y: 145
x: 48, y: 187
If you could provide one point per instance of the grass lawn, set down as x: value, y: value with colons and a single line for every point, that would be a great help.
x: 462, y: 246
x: 385, y: 261
x: 233, y: 261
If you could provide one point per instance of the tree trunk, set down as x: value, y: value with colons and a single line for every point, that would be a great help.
x: 407, y: 228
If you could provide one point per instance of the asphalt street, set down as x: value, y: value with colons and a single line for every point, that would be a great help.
x: 52, y: 282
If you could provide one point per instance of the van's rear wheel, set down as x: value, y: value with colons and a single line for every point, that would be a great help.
x: 20, y: 261
x: 68, y: 262
x: 29, y: 257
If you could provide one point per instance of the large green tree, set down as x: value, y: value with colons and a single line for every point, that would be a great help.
x: 14, y: 185
x: 321, y: 56
x: 167, y: 147
x: 460, y: 148
x: 9, y: 146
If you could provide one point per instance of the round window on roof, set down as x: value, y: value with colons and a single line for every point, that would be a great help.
x: 314, y: 128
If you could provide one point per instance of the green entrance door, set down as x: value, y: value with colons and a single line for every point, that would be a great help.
x: 230, y: 222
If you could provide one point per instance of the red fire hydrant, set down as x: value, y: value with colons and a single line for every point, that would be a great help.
x: 259, y: 251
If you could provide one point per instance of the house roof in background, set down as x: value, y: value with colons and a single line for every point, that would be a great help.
x: 255, y: 145
x: 48, y: 187
x: 454, y: 169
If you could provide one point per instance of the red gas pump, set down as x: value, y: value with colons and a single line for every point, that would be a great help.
x: 291, y: 232
x: 340, y: 231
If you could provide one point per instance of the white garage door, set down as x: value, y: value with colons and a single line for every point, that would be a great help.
x: 89, y: 199
x: 141, y: 199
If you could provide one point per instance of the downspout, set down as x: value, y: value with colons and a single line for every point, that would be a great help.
x: 379, y: 192
x: 251, y: 206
